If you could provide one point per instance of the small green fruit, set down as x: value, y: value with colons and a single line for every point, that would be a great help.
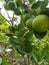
x: 17, y: 11
x: 40, y: 23
x: 11, y: 5
x: 29, y: 23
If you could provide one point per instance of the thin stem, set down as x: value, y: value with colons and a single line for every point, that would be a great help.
x: 28, y: 60
x: 5, y: 19
x: 24, y: 62
x: 12, y: 20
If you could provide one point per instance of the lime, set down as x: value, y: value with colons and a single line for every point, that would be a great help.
x: 11, y: 5
x: 40, y: 23
x: 29, y: 23
x: 17, y: 11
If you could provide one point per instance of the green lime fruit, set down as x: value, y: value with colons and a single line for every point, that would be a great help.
x: 29, y: 23
x: 40, y: 23
x: 11, y: 5
x: 17, y: 11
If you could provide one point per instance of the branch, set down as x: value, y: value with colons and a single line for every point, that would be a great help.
x: 12, y: 23
x: 5, y: 19
x: 12, y: 20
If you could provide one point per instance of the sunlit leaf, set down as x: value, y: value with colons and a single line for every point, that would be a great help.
x: 5, y: 62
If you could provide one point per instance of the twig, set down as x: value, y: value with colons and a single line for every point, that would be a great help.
x: 12, y: 20
x: 5, y: 19
x: 28, y: 60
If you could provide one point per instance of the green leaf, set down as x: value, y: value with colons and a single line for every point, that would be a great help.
x: 36, y: 52
x: 34, y: 59
x: 22, y: 31
x: 19, y: 58
x: 24, y: 7
x: 44, y: 4
x: 20, y: 50
x: 12, y: 29
x: 46, y: 12
x: 28, y: 34
x: 4, y: 61
x: 32, y: 1
x: 27, y: 16
x: 18, y: 3
x: 21, y: 26
x: 2, y: 20
x: 39, y: 6
x: 17, y: 44
x: 45, y: 53
x: 9, y: 34
x: 36, y: 5
x: 14, y: 40
x: 27, y: 46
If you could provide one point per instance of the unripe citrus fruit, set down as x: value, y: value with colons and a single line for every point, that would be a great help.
x: 17, y: 11
x: 29, y: 23
x: 11, y: 5
x: 40, y: 23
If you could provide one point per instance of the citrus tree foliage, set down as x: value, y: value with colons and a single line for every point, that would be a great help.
x: 3, y: 28
x: 30, y: 36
